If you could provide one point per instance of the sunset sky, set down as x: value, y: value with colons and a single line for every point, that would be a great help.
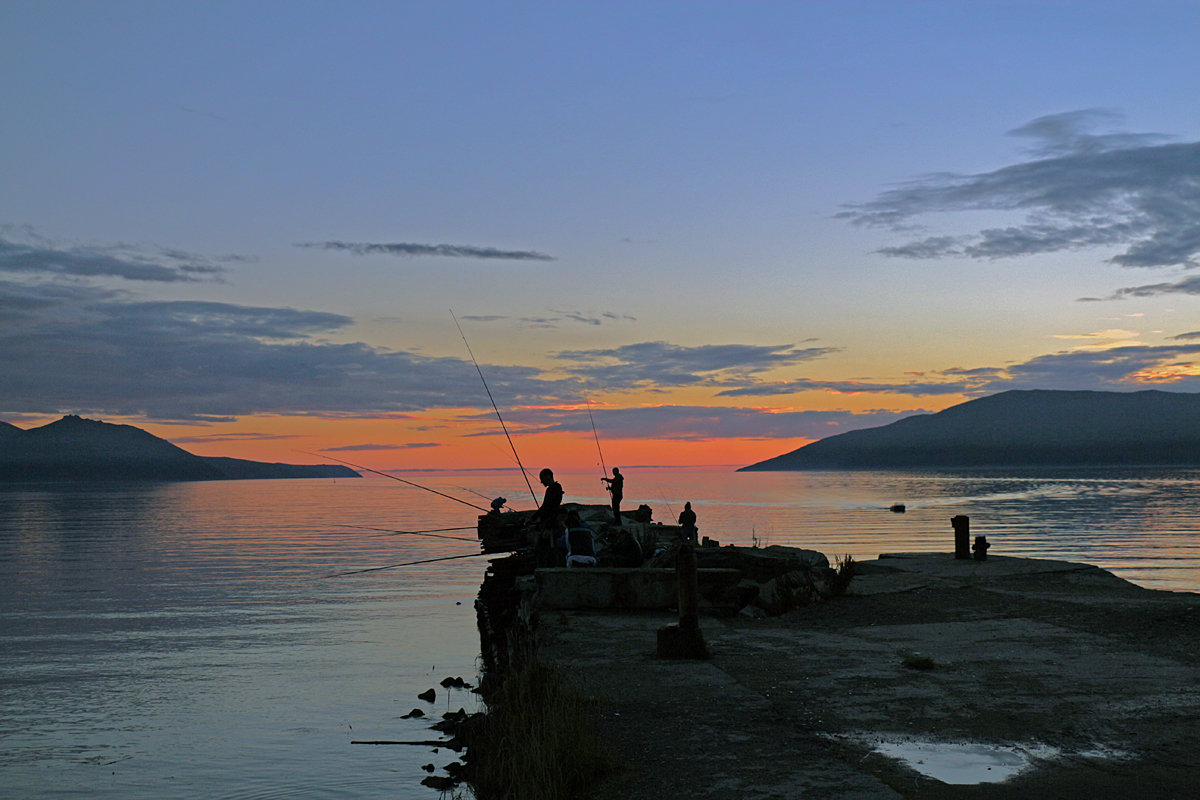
x: 714, y: 230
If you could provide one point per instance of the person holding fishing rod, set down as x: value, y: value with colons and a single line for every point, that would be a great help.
x: 546, y: 518
x: 616, y: 487
x: 687, y: 523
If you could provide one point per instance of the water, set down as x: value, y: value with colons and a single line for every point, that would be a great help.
x: 186, y: 640
x: 1143, y: 525
x: 183, y: 640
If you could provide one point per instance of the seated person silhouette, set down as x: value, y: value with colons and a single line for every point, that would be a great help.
x: 581, y: 548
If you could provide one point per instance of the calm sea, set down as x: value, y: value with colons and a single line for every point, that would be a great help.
x: 197, y: 640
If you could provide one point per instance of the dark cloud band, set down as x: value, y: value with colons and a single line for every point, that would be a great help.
x: 412, y: 250
x: 89, y: 351
x: 105, y: 262
x: 665, y: 365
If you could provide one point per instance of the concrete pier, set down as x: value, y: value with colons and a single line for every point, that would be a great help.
x: 1093, y: 678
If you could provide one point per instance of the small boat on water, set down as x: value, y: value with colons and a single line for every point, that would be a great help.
x: 897, y: 508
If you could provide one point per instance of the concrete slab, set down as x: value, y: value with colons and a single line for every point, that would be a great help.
x: 1046, y: 656
x: 945, y: 565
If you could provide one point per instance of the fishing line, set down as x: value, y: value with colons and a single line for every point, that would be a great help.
x: 393, y: 477
x: 431, y: 533
x: 472, y: 491
x: 496, y: 408
x: 406, y: 564
x: 670, y: 510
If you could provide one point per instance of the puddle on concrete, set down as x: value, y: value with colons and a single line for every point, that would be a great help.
x: 972, y: 762
x: 961, y: 763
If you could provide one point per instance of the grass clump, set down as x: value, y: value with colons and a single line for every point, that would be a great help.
x: 536, y: 741
x: 843, y: 574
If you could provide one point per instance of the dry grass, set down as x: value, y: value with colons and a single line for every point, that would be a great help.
x: 845, y: 570
x: 537, y: 740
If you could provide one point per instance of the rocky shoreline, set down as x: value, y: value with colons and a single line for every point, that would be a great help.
x: 1068, y: 680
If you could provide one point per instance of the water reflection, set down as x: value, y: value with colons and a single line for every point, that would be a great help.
x: 175, y: 640
x: 181, y: 640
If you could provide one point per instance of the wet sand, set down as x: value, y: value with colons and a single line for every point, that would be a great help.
x: 1090, y: 680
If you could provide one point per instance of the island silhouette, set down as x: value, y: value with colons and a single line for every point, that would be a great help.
x: 1020, y: 428
x: 78, y: 449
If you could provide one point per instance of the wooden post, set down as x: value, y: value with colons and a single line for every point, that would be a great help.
x: 683, y: 639
x: 689, y: 588
x: 962, y: 536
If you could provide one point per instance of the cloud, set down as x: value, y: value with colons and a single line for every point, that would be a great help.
x: 1186, y: 286
x: 1112, y: 334
x: 587, y: 318
x: 1116, y: 369
x: 1097, y: 365
x: 86, y: 350
x: 555, y: 321
x: 696, y: 422
x: 411, y: 250
x: 913, y: 389
x: 130, y: 262
x: 1082, y: 190
x: 1066, y: 133
x: 661, y: 364
x: 370, y: 447
x: 243, y: 436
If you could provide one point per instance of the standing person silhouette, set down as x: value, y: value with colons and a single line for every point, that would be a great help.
x: 687, y: 523
x: 546, y: 518
x: 616, y: 487
x: 551, y: 501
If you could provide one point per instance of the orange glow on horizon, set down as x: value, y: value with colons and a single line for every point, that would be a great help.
x: 414, y: 443
x: 391, y: 444
x: 1167, y: 374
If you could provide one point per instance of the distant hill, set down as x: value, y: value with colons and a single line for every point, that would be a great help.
x: 77, y: 449
x: 1020, y: 428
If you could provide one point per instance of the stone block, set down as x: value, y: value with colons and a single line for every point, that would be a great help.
x: 632, y: 589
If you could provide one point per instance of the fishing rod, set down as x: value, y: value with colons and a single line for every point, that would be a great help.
x: 670, y: 510
x: 496, y: 408
x: 431, y: 533
x: 406, y: 564
x: 393, y: 477
x: 603, y: 467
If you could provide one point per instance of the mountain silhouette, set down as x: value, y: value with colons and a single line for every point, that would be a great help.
x: 75, y: 449
x: 1020, y: 428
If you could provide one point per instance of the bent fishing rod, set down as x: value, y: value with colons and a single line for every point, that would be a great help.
x: 596, y: 435
x: 496, y: 408
x: 395, y: 478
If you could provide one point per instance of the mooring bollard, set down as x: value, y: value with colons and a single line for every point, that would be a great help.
x: 683, y: 639
x: 981, y: 548
x: 962, y: 536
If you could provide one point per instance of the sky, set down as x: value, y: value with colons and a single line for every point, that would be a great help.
x: 664, y: 233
